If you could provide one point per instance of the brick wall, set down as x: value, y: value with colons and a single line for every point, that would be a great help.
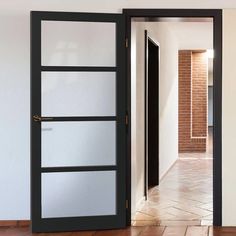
x: 199, y: 94
x: 192, y: 101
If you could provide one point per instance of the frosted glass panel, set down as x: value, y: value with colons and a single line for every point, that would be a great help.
x: 67, y: 43
x: 78, y: 93
x: 71, y: 194
x: 78, y: 143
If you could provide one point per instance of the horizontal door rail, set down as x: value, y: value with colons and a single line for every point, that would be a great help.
x: 77, y: 168
x: 79, y: 68
x: 74, y: 16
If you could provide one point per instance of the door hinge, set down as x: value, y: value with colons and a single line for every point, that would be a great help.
x: 126, y: 204
x: 126, y: 43
x: 126, y: 120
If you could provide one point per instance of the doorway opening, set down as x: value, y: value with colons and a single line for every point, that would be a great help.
x: 178, y: 167
x: 151, y: 113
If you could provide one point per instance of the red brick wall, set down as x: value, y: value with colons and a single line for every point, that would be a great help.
x: 192, y: 101
x: 199, y: 94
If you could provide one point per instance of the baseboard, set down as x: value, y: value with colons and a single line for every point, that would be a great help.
x: 163, y: 176
x: 14, y: 223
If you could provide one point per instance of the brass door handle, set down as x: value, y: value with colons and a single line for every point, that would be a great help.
x: 38, y: 118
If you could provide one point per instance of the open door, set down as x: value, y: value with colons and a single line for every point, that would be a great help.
x: 78, y: 128
x: 151, y: 113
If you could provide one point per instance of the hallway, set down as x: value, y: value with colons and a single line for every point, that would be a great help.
x: 184, y: 196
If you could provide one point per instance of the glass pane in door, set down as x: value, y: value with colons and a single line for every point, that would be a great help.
x: 87, y: 143
x: 67, y: 43
x: 69, y: 194
x: 78, y: 94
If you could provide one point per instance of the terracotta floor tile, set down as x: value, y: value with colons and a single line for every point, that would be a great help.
x: 153, y: 231
x: 194, y: 210
x: 131, y: 231
x: 207, y: 222
x: 182, y: 214
x: 207, y: 206
x: 175, y: 231
x: 143, y: 216
x: 184, y: 195
x: 145, y: 223
x: 180, y: 222
x: 208, y: 217
x: 197, y: 231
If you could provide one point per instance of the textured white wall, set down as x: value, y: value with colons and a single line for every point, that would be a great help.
x: 168, y: 113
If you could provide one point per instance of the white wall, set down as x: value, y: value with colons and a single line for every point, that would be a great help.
x: 193, y: 30
x: 168, y: 114
x: 14, y: 125
x: 229, y: 118
x: 22, y: 7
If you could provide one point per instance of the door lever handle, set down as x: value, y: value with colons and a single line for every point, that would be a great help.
x: 39, y: 119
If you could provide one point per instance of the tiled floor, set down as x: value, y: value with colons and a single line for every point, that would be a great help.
x: 184, y: 196
x: 204, y: 155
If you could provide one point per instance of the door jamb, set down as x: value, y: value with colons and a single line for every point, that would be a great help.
x: 216, y: 14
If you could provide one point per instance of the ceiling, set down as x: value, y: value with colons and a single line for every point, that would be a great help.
x: 190, y: 35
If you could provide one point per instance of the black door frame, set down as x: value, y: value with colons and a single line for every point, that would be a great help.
x: 118, y: 220
x: 216, y: 15
x: 148, y: 39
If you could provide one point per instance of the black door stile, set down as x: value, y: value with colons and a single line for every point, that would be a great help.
x: 40, y: 224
